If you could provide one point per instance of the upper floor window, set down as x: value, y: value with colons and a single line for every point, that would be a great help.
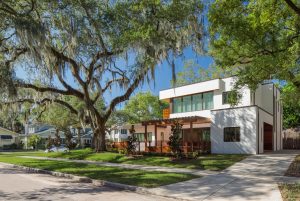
x: 197, y: 102
x: 230, y: 97
x: 232, y: 134
x: 124, y: 131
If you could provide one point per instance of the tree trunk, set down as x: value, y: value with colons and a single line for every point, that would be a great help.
x: 79, y: 138
x: 99, y: 138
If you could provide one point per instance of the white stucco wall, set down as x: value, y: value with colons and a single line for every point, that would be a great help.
x: 245, y: 118
x: 264, y: 97
x: 209, y: 85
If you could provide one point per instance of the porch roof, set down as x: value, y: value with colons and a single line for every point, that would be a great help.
x: 182, y: 120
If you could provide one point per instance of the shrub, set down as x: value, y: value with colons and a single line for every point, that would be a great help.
x: 131, y: 142
x: 175, y: 140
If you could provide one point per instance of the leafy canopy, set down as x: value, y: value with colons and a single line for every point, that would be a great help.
x: 91, y: 49
x: 193, y: 72
x: 259, y: 37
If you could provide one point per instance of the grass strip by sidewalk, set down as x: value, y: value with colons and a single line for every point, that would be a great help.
x: 119, y: 175
x: 290, y: 192
x: 215, y: 162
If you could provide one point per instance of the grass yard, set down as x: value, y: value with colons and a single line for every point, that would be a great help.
x: 294, y: 168
x: 290, y: 192
x: 120, y: 175
x: 214, y: 162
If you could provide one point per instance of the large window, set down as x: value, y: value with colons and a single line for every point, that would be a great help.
x: 177, y: 105
x: 208, y: 102
x: 124, y: 131
x: 232, y: 134
x: 187, y: 104
x: 197, y: 102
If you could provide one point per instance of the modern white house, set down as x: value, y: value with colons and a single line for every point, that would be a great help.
x: 253, y: 126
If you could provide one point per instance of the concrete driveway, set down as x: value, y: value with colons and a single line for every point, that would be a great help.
x: 18, y: 185
x: 254, y: 178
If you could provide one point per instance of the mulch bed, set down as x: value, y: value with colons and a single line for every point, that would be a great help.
x: 294, y: 168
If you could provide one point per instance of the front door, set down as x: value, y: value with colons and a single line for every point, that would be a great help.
x: 268, y: 137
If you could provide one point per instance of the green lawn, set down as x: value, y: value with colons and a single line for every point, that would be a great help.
x: 120, y: 175
x: 206, y: 162
x: 290, y: 192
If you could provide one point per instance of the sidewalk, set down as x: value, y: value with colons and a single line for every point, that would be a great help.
x: 132, y: 166
x: 254, y: 178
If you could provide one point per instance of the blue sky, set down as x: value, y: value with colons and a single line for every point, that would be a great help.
x: 163, y: 74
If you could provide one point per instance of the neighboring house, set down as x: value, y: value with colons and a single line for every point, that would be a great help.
x: 8, y: 137
x: 85, y: 135
x: 253, y: 126
x: 44, y: 131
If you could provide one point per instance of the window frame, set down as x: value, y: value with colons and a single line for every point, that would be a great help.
x: 180, y: 102
x: 237, y: 136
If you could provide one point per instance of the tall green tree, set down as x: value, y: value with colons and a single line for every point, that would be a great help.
x: 143, y: 107
x: 259, y: 37
x: 34, y: 140
x: 82, y: 48
x: 291, y: 106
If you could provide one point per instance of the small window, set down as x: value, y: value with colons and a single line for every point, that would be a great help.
x: 228, y: 96
x: 124, y: 131
x: 116, y: 131
x: 140, y: 137
x: 232, y: 134
x: 150, y: 137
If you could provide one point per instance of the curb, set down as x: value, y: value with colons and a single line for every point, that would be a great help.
x: 94, y: 182
x: 82, y: 179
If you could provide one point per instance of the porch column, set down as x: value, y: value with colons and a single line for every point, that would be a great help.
x: 155, y: 134
x: 191, y: 134
x: 145, y: 136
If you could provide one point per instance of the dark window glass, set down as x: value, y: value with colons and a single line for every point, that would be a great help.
x: 232, y: 134
x: 6, y: 137
x: 227, y: 95
x: 124, y: 131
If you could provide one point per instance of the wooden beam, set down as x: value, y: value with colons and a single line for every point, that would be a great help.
x: 145, y: 136
x: 155, y: 133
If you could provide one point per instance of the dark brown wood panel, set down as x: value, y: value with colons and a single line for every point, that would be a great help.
x: 268, y: 137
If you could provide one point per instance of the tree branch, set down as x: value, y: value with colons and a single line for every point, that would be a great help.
x: 293, y: 6
x: 126, y: 95
x: 43, y: 89
x: 42, y: 102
